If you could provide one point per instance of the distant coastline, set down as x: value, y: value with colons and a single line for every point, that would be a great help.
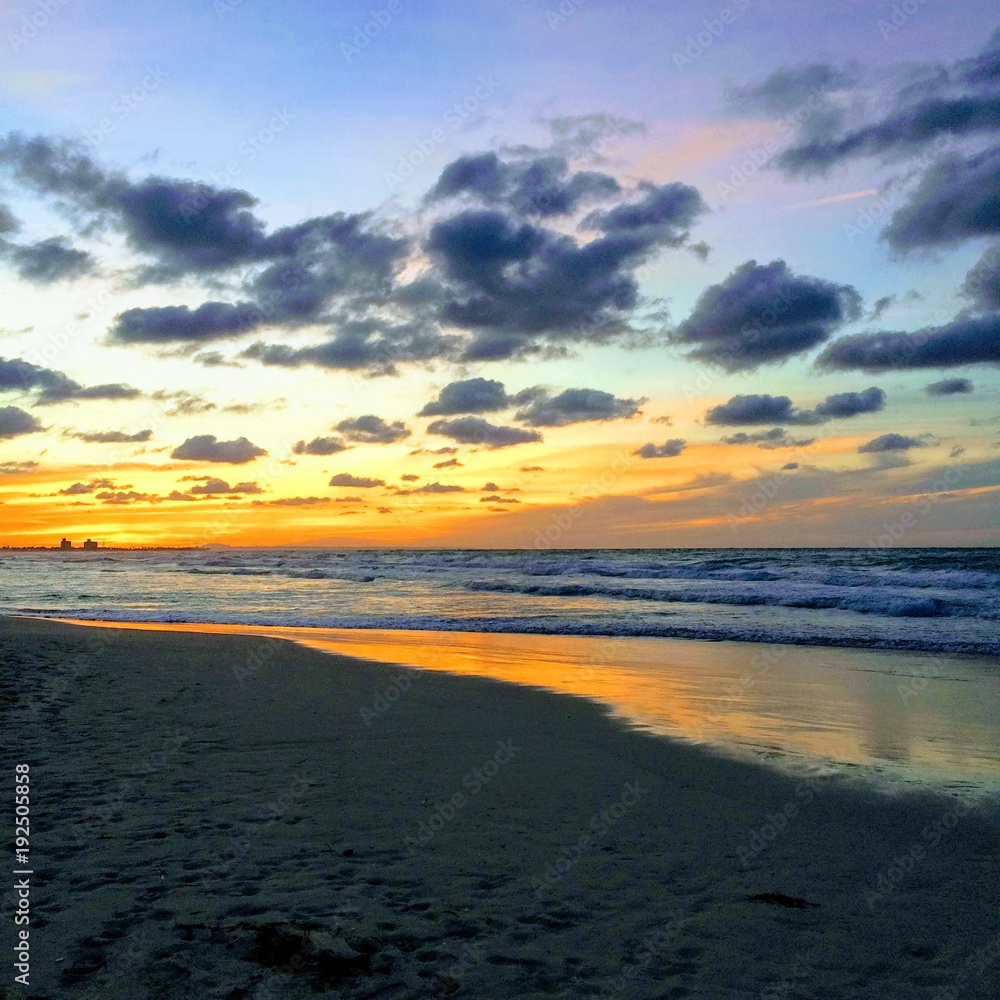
x: 103, y: 548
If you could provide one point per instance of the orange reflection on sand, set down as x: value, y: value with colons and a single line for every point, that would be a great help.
x: 790, y: 702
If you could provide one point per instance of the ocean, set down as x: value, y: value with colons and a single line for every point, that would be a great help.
x: 941, y: 600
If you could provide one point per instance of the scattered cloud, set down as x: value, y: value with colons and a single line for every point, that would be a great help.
x: 208, y: 448
x: 669, y: 449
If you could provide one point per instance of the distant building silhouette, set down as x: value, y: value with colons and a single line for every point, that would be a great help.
x: 65, y: 544
x: 88, y: 545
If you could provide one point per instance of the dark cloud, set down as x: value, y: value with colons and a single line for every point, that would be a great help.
x: 215, y: 487
x: 48, y: 261
x: 319, y: 446
x: 451, y: 463
x: 850, y: 404
x: 409, y: 478
x: 532, y: 468
x: 542, y: 186
x: 788, y: 466
x: 290, y: 276
x: 954, y: 101
x: 758, y: 409
x: 14, y: 422
x: 965, y: 341
x: 473, y: 395
x: 662, y: 215
x: 346, y: 479
x: 207, y: 448
x: 170, y: 324
x: 948, y: 387
x: 112, y: 437
x: 55, y: 386
x: 518, y: 286
x: 957, y: 199
x: 369, y: 429
x: 763, y: 314
x: 8, y: 221
x: 891, y: 442
x: 669, y: 449
x: 498, y: 499
x: 360, y: 345
x: 774, y: 436
x: 476, y: 431
x: 982, y: 283
x: 573, y: 406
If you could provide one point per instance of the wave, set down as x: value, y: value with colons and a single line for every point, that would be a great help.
x: 899, y: 638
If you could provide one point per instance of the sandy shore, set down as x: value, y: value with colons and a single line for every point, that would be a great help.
x: 239, y: 817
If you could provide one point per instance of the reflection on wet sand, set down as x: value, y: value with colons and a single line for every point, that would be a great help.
x: 915, y: 716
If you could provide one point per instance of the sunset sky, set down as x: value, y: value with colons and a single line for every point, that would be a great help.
x: 523, y: 274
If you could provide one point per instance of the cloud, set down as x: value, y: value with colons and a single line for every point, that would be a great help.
x: 520, y: 288
x: 573, y: 406
x: 762, y: 314
x: 294, y: 501
x: 439, y: 488
x: 498, y: 499
x: 965, y: 341
x: 532, y: 468
x: 891, y: 442
x: 409, y: 478
x: 207, y: 448
x: 130, y: 497
x: 476, y: 431
x: 542, y: 186
x: 451, y: 463
x: 774, y: 436
x: 214, y: 487
x: 186, y: 404
x: 81, y: 489
x: 112, y: 437
x: 956, y: 101
x: 473, y: 395
x: 662, y: 215
x: 47, y: 261
x: 319, y: 446
x: 850, y: 404
x: 54, y: 386
x: 758, y: 409
x: 948, y: 387
x: 346, y: 479
x: 669, y: 449
x: 172, y: 324
x: 370, y: 429
x: 790, y: 88
x: 17, y: 468
x: 362, y: 345
x: 957, y: 199
x: 15, y: 422
x: 788, y: 466
x: 982, y: 283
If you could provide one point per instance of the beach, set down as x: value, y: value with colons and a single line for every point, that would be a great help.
x: 240, y: 816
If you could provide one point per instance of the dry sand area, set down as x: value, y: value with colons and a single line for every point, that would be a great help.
x: 241, y: 817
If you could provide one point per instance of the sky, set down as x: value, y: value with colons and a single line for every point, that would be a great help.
x: 527, y: 274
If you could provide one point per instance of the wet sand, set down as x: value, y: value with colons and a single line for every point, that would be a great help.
x: 239, y: 816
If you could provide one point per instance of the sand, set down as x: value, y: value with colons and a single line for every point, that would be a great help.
x: 225, y: 816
